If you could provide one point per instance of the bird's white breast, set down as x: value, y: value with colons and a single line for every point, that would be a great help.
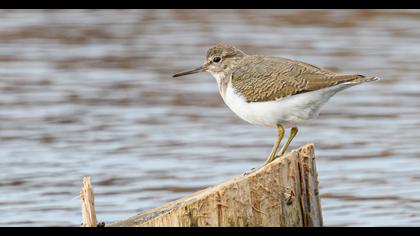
x: 289, y: 111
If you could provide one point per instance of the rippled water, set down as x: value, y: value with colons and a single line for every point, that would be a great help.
x: 86, y: 92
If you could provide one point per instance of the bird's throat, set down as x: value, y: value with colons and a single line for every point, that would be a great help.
x: 222, y: 82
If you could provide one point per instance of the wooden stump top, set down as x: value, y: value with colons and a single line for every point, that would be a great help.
x: 282, y: 193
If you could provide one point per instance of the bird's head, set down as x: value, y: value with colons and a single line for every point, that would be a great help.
x: 219, y: 59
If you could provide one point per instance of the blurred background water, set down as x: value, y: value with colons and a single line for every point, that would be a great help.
x: 89, y: 92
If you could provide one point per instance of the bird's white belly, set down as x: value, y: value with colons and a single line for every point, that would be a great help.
x: 288, y: 112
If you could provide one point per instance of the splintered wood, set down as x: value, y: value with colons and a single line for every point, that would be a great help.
x: 282, y: 193
x: 88, y: 204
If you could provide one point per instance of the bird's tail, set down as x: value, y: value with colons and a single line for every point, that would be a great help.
x: 362, y: 79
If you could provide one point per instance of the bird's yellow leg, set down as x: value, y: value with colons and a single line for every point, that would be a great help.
x: 280, y: 134
x: 293, y: 133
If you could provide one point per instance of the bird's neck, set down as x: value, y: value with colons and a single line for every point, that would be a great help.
x: 223, y: 78
x: 222, y: 82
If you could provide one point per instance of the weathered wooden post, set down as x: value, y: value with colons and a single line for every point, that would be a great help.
x: 283, y: 193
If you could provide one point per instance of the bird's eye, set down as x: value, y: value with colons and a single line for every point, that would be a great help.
x: 217, y: 59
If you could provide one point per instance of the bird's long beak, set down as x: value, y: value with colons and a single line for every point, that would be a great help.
x: 196, y: 70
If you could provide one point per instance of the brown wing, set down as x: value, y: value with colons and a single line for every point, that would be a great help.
x: 261, y: 78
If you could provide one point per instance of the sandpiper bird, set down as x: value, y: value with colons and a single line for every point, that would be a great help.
x: 272, y: 91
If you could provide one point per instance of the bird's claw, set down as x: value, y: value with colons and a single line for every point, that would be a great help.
x: 250, y: 171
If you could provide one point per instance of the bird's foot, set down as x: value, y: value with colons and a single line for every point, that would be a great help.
x: 266, y: 163
x: 251, y: 171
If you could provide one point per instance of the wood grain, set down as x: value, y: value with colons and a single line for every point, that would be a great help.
x: 282, y: 193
